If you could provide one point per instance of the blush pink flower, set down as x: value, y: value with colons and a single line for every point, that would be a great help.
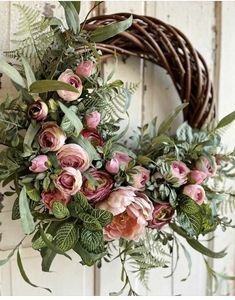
x: 51, y: 136
x: 39, y: 164
x: 195, y: 192
x: 85, y: 68
x: 178, y: 173
x: 73, y: 155
x: 123, y: 158
x: 102, y: 187
x: 197, y: 177
x: 49, y: 197
x: 38, y: 110
x: 140, y: 178
x: 131, y: 210
x: 206, y: 166
x: 93, y: 136
x: 69, y: 77
x: 69, y: 181
x: 162, y: 215
x: 112, y: 166
x: 92, y: 119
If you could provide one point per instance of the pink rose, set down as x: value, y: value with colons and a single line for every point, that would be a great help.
x: 112, y: 166
x: 38, y: 110
x: 178, y: 173
x: 85, y: 68
x: 131, y: 210
x: 162, y: 215
x: 98, y: 192
x: 140, y: 178
x: 195, y: 192
x: 69, y: 77
x: 197, y: 177
x: 123, y: 158
x: 73, y: 155
x: 92, y: 119
x: 49, y: 197
x: 93, y: 136
x: 206, y: 166
x: 39, y: 164
x: 69, y: 181
x: 51, y: 136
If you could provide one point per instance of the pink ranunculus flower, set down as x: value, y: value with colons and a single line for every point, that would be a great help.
x: 38, y: 110
x: 131, y: 210
x: 92, y: 136
x: 73, y: 155
x: 92, y: 119
x: 122, y: 157
x: 39, y: 164
x: 195, y: 192
x: 112, y: 166
x: 49, y: 197
x: 96, y: 193
x: 69, y: 181
x: 197, y: 177
x: 69, y: 77
x: 140, y: 178
x: 162, y: 215
x: 178, y: 173
x: 206, y: 166
x: 85, y: 68
x: 51, y: 136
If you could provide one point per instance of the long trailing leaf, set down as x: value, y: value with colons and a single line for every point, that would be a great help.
x: 11, y: 72
x: 72, y: 15
x: 25, y: 214
x: 44, y: 86
x: 103, y: 33
x: 28, y: 71
x: 4, y: 261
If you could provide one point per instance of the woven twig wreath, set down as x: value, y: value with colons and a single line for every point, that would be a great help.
x: 166, y: 46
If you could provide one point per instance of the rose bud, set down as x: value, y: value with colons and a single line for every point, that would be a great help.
x: 123, y: 158
x: 69, y: 181
x: 92, y: 119
x: 49, y: 197
x: 140, y: 178
x: 39, y: 164
x: 206, y: 166
x: 162, y: 215
x: 131, y: 210
x: 178, y: 173
x: 51, y: 136
x: 69, y: 77
x: 73, y: 155
x: 85, y: 68
x: 101, y: 189
x: 197, y: 177
x: 195, y: 192
x: 93, y: 136
x: 38, y: 110
x: 112, y: 166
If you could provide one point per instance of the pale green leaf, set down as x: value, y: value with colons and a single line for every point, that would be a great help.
x: 44, y: 86
x: 28, y: 71
x: 11, y: 72
x: 25, y: 214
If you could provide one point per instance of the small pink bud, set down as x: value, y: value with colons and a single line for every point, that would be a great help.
x: 85, y: 68
x: 39, y: 164
x: 92, y: 119
x: 112, y: 166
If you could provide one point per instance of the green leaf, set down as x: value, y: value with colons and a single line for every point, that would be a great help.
x: 91, y: 240
x: 23, y: 274
x: 167, y: 123
x: 4, y: 261
x: 39, y: 243
x: 86, y: 145
x: 48, y: 256
x: 88, y: 258
x: 15, y: 214
x: 25, y: 214
x: 77, y: 5
x: 103, y: 216
x: 11, y: 72
x: 28, y: 71
x: 226, y: 120
x: 78, y: 205
x: 89, y: 222
x: 74, y: 119
x: 59, y: 210
x: 103, y: 33
x: 44, y: 86
x: 81, y: 199
x: 29, y: 137
x: 66, y: 237
x: 185, y: 133
x: 32, y: 192
x: 71, y: 15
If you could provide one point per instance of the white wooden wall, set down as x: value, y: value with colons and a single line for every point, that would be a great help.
x: 210, y: 27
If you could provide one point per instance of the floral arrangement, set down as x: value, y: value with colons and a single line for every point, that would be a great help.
x: 78, y: 184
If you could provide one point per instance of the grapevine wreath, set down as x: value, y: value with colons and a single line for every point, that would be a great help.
x: 78, y: 182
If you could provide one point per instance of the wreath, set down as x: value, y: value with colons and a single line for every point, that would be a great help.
x: 78, y: 182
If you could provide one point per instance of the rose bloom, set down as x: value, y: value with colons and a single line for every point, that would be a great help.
x: 131, y: 210
x: 51, y: 136
x: 69, y: 181
x: 69, y: 77
x: 112, y: 166
x: 38, y: 110
x: 49, y: 197
x: 178, y: 173
x: 92, y: 119
x: 140, y: 178
x: 93, y: 136
x: 73, y: 155
x: 96, y: 193
x: 197, y: 177
x: 195, y: 192
x: 206, y: 166
x: 85, y: 68
x: 162, y: 215
x: 39, y: 164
